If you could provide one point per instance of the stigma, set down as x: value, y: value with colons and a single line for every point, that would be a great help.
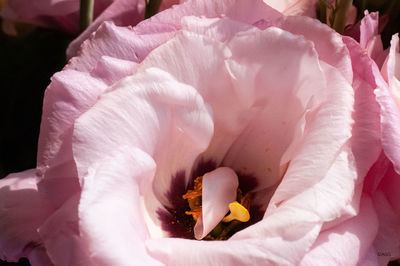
x: 237, y: 212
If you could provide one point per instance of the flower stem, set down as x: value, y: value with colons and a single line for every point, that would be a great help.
x: 152, y: 7
x: 86, y: 14
x: 340, y: 15
x: 321, y: 11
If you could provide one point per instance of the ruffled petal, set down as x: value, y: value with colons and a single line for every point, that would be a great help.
x: 370, y: 38
x: 368, y: 27
x: 110, y: 70
x: 22, y: 211
x: 61, y: 236
x: 366, y: 135
x: 387, y: 241
x: 323, y: 148
x: 302, y: 8
x: 153, y: 112
x: 229, y: 114
x: 126, y: 44
x: 390, y: 112
x: 347, y: 243
x: 370, y: 258
x: 135, y: 44
x: 219, y: 189
x: 69, y: 95
x: 121, y: 12
x: 328, y: 44
x: 111, y: 218
x: 239, y: 10
x: 270, y: 246
x: 267, y: 91
x: 294, y: 7
x: 387, y: 204
x: 381, y: 184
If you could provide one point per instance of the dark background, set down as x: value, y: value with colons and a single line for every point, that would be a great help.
x: 26, y: 65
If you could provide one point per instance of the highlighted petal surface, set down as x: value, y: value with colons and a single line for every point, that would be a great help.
x: 219, y: 189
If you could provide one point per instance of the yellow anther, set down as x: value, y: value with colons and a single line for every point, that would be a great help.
x: 238, y: 212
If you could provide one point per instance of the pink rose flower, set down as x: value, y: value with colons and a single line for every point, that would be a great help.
x: 272, y: 118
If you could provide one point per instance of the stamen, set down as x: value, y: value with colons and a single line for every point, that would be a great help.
x: 197, y: 189
x: 194, y: 198
x: 229, y: 224
x: 238, y: 212
x: 195, y: 212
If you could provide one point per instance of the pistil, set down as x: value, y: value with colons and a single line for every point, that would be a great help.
x: 238, y: 211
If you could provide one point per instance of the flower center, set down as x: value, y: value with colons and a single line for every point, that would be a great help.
x: 238, y: 212
x: 182, y: 216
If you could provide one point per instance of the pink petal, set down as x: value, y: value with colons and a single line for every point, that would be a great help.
x: 219, y: 189
x: 229, y: 114
x: 390, y: 112
x: 126, y: 44
x: 366, y: 130
x: 376, y: 52
x: 368, y: 27
x: 323, y: 199
x: 111, y: 70
x: 294, y: 7
x: 381, y: 183
x: 381, y: 179
x: 370, y: 258
x: 111, y: 218
x: 60, y: 182
x: 347, y: 243
x: 22, y: 211
x: 341, y: 178
x: 219, y: 29
x: 388, y: 185
x: 69, y: 95
x: 279, y: 5
x: 302, y: 8
x: 328, y: 44
x: 269, y: 247
x: 150, y: 111
x: 387, y: 241
x: 393, y: 64
x: 61, y: 236
x: 272, y: 126
x: 121, y: 12
x: 239, y: 10
x: 370, y: 39
x: 136, y: 44
x: 336, y: 194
